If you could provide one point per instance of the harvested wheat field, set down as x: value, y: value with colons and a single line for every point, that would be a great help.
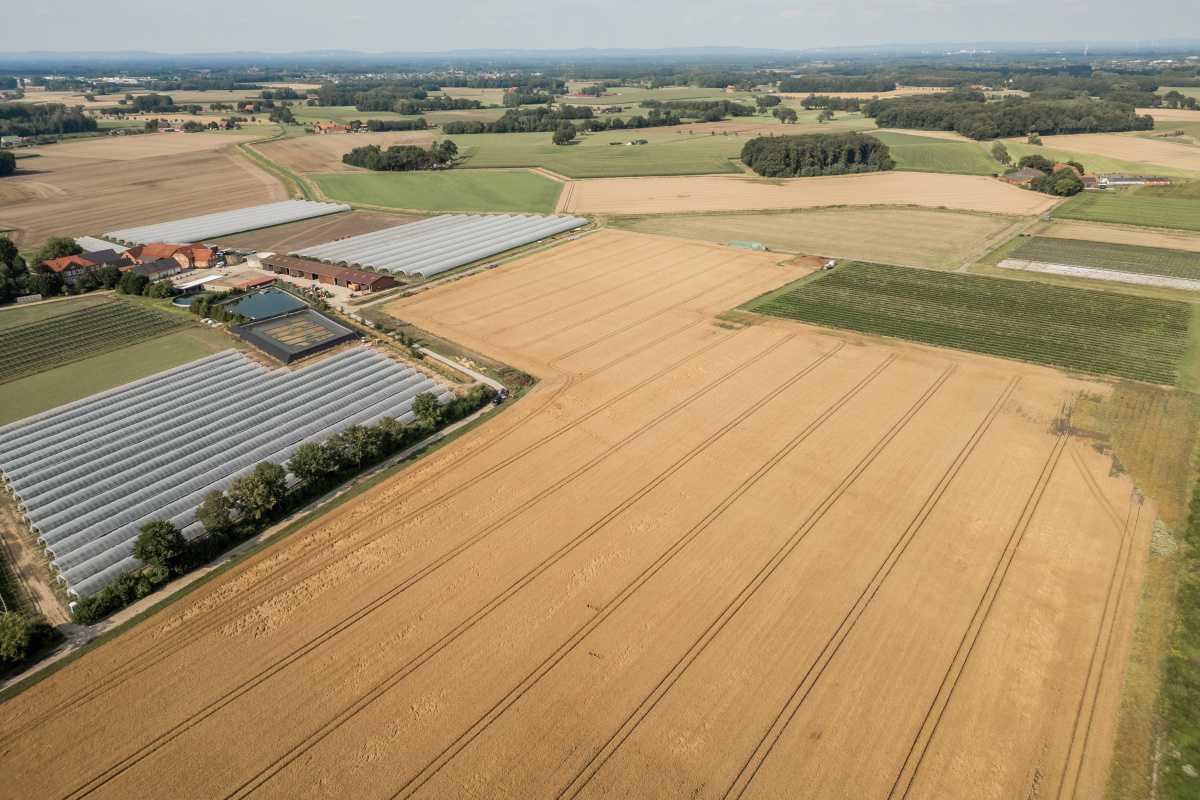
x: 920, y: 237
x: 1136, y: 149
x: 1171, y: 114
x: 1116, y: 234
x: 739, y: 193
x: 323, y: 152
x: 900, y: 91
x: 311, y: 232
x: 694, y: 561
x: 80, y: 189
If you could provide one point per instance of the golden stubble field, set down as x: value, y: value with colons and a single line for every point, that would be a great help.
x: 696, y: 560
x: 664, y: 195
x: 323, y: 152
x: 97, y: 185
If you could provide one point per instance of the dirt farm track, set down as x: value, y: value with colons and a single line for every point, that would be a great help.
x: 697, y: 560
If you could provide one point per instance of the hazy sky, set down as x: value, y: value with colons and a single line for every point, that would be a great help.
x: 403, y: 25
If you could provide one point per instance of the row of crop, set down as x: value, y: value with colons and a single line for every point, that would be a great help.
x: 1133, y: 209
x: 1137, y: 338
x: 1117, y: 257
x: 59, y: 345
x: 65, y: 342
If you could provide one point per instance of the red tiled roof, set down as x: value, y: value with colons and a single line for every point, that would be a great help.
x: 65, y: 262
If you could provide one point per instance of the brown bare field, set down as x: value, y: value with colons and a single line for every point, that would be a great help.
x: 1137, y: 149
x: 696, y: 560
x: 100, y: 185
x: 323, y: 152
x: 664, y: 195
x: 1171, y: 114
x: 1095, y: 232
x: 905, y: 236
x: 311, y: 232
x: 71, y: 99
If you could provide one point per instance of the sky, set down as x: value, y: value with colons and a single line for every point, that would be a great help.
x: 408, y: 26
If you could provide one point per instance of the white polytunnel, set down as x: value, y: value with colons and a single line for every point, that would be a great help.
x: 224, y: 223
x: 89, y: 474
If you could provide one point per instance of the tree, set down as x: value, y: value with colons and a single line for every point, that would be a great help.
x: 215, y: 514
x: 564, y: 133
x: 8, y: 251
x: 824, y: 115
x: 57, y: 247
x: 426, y: 408
x: 256, y: 495
x: 765, y: 101
x: 44, y: 282
x: 16, y: 633
x: 8, y: 163
x: 1036, y: 162
x: 160, y: 544
x: 132, y: 283
x: 1033, y: 138
x: 1077, y: 166
x: 785, y: 114
x: 1000, y: 153
x: 313, y: 464
x: 109, y: 276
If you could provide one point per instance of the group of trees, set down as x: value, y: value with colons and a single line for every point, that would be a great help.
x: 815, y: 154
x: 8, y: 163
x: 832, y: 103
x: 837, y: 83
x: 403, y: 157
x: 18, y: 279
x: 968, y: 114
x: 521, y: 120
x: 1064, y: 182
x: 438, y: 103
x: 376, y: 125
x: 258, y: 498
x: 1177, y: 99
x: 703, y: 110
x: 516, y: 97
x: 38, y: 119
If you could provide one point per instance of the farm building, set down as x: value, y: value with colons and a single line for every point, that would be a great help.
x: 1023, y: 177
x: 354, y: 279
x: 293, y: 336
x: 208, y: 226
x: 331, y: 127
x: 158, y: 269
x: 89, y: 474
x: 189, y: 256
x: 91, y: 243
x: 435, y: 245
x: 243, y: 280
x: 1134, y: 180
x: 69, y: 267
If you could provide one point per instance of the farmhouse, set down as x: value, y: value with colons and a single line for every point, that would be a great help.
x: 69, y: 267
x: 331, y: 127
x: 189, y: 256
x: 1023, y: 177
x: 354, y: 279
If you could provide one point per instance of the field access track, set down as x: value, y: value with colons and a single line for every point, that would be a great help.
x: 695, y: 560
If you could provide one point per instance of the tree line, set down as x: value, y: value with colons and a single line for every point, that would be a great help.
x: 259, y: 498
x: 837, y: 83
x: 815, y: 154
x: 968, y: 114
x: 438, y: 103
x: 521, y: 120
x: 403, y: 157
x: 39, y: 119
x: 378, y: 125
x: 703, y: 110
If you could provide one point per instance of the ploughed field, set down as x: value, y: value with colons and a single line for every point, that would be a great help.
x: 97, y: 185
x: 1076, y: 329
x: 695, y: 560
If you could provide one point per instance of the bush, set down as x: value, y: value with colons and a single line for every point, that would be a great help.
x: 16, y: 634
x: 564, y: 134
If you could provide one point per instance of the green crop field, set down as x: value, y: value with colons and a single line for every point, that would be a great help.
x: 447, y: 190
x: 13, y: 315
x: 48, y: 343
x: 1075, y: 329
x: 1134, y: 207
x: 927, y: 154
x: 1102, y: 255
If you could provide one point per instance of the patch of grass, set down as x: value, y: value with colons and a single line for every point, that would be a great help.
x: 13, y: 315
x: 1103, y: 255
x: 927, y: 154
x: 1134, y: 208
x: 45, y: 390
x: 445, y: 190
x: 1075, y: 329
